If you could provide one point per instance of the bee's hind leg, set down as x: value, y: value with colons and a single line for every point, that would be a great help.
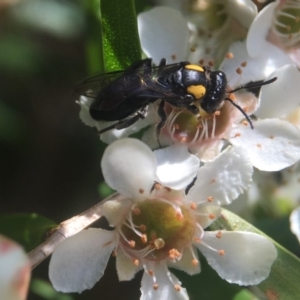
x: 126, y: 122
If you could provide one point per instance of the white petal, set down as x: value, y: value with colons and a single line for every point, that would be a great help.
x: 185, y: 263
x: 14, y: 270
x: 112, y: 135
x: 242, y: 10
x: 295, y: 222
x: 258, y: 68
x: 163, y: 33
x: 209, y: 150
x: 79, y: 261
x: 282, y: 96
x: 129, y: 166
x: 272, y: 145
x: 126, y: 269
x: 176, y: 167
x: 224, y: 179
x: 116, y: 211
x: 205, y: 213
x: 166, y: 290
x: 257, y: 34
x: 248, y: 256
x: 84, y: 114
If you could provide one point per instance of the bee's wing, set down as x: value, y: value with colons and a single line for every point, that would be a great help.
x: 91, y: 87
x: 111, y: 89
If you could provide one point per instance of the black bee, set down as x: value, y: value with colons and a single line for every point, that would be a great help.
x: 123, y: 96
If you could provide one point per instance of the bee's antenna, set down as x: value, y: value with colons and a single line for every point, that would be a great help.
x: 242, y: 111
x: 252, y: 85
x: 249, y: 86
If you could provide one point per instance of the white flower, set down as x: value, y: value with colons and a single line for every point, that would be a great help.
x: 295, y: 222
x: 158, y: 226
x: 14, y: 270
x: 113, y: 134
x: 277, y: 24
x: 273, y: 144
x: 208, y: 24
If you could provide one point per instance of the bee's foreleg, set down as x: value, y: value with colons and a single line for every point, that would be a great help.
x: 162, y: 114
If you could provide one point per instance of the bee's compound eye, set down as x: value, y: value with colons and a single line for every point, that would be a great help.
x: 198, y: 91
x: 194, y: 67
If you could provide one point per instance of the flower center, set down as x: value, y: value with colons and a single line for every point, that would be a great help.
x: 183, y: 126
x: 156, y: 230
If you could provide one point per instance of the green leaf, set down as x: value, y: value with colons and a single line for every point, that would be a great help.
x: 27, y: 229
x: 245, y: 295
x: 283, y: 281
x: 12, y: 125
x: 46, y: 291
x: 94, y: 46
x: 104, y: 190
x: 121, y: 45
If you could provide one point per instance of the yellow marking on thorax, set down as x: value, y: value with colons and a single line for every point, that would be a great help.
x: 194, y: 67
x: 198, y: 91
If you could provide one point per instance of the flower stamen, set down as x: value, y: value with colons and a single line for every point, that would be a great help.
x: 195, y: 260
x: 174, y: 254
x: 221, y: 251
x: 159, y: 243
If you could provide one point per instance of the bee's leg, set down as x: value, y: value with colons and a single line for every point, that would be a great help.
x: 141, y: 64
x: 193, y: 109
x: 126, y: 122
x: 162, y: 114
x: 162, y: 62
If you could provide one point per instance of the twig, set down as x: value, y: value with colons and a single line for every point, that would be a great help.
x: 66, y: 229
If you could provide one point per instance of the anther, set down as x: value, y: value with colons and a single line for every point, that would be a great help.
x: 168, y: 189
x: 193, y: 49
x: 157, y: 186
x: 131, y: 244
x: 244, y: 64
x: 219, y: 234
x: 159, y: 243
x: 201, y: 62
x: 143, y: 227
x: 193, y: 206
x: 177, y: 287
x: 237, y: 134
x: 114, y: 253
x: 239, y: 71
x: 217, y: 113
x: 144, y: 238
x: 176, y: 126
x: 245, y: 123
x: 197, y: 240
x: 179, y: 216
x: 221, y: 252
x: 174, y: 254
x: 229, y: 55
x: 211, y: 63
x: 136, y: 262
x: 210, y: 198
x: 155, y: 286
x: 183, y: 139
x: 136, y: 211
x: 212, y: 216
x: 141, y: 191
x: 150, y: 272
x: 195, y: 262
